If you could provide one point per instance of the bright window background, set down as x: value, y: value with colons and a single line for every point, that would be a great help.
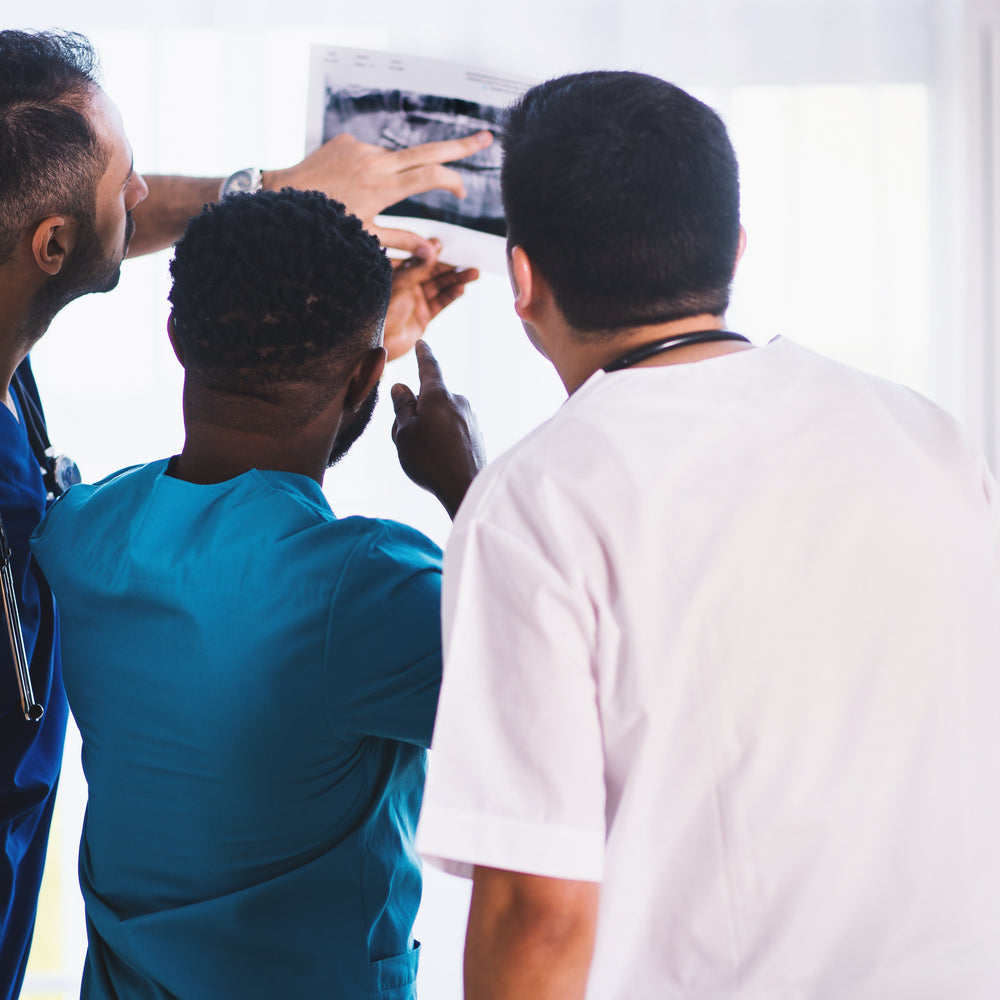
x: 842, y: 114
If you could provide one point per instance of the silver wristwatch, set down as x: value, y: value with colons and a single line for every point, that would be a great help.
x: 249, y: 179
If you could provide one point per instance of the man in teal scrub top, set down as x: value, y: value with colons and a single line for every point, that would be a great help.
x: 255, y: 679
x: 72, y: 205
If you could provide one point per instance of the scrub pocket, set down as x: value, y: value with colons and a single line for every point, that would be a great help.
x: 395, y: 978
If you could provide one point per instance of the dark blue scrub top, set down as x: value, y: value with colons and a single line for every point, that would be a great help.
x: 30, y: 753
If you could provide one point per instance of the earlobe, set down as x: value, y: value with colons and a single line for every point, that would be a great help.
x: 522, y: 281
x: 740, y: 247
x: 50, y: 243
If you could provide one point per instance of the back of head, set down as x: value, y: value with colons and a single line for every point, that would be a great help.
x: 277, y: 290
x: 50, y: 156
x: 624, y: 192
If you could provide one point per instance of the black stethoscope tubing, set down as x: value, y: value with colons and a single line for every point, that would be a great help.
x: 655, y: 347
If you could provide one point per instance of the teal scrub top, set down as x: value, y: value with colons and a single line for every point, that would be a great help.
x: 255, y: 681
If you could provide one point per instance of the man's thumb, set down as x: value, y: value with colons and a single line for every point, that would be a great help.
x: 403, y: 402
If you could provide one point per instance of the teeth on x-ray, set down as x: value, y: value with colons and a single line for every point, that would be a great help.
x: 398, y: 119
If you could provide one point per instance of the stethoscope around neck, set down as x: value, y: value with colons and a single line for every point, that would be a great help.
x: 655, y: 347
x: 58, y: 474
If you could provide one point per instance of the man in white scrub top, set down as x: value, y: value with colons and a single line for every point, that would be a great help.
x: 722, y: 637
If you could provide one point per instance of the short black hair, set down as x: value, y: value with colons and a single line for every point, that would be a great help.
x: 624, y: 192
x: 273, y: 288
x: 51, y: 159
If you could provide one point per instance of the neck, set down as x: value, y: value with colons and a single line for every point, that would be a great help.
x: 12, y: 353
x: 577, y: 356
x: 22, y: 324
x: 204, y: 463
x: 224, y: 440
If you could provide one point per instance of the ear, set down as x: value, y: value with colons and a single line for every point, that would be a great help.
x: 172, y: 337
x: 51, y: 243
x: 525, y: 282
x: 740, y: 247
x: 366, y: 374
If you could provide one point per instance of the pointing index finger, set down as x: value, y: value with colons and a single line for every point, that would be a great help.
x: 442, y: 151
x: 427, y: 368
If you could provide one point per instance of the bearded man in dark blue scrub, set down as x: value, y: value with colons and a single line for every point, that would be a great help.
x: 70, y: 204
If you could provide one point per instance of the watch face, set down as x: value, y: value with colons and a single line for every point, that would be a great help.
x: 242, y: 180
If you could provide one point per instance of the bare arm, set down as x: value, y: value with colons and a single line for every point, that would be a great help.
x: 529, y: 937
x: 161, y: 218
x: 364, y: 177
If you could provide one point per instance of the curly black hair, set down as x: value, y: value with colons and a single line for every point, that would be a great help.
x: 50, y: 157
x: 270, y: 288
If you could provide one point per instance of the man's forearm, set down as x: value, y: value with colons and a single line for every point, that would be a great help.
x: 529, y: 938
x: 161, y: 218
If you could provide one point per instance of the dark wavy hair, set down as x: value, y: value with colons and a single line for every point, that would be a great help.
x: 624, y: 192
x: 275, y: 288
x: 50, y: 157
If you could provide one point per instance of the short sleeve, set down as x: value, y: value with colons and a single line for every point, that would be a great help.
x: 992, y: 491
x: 516, y: 765
x: 383, y: 651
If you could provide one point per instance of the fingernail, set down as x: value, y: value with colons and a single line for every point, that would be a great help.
x: 425, y: 251
x: 485, y: 138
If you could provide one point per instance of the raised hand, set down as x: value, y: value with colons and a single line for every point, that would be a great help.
x: 367, y: 178
x: 436, y: 435
x: 364, y: 177
x: 421, y: 288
